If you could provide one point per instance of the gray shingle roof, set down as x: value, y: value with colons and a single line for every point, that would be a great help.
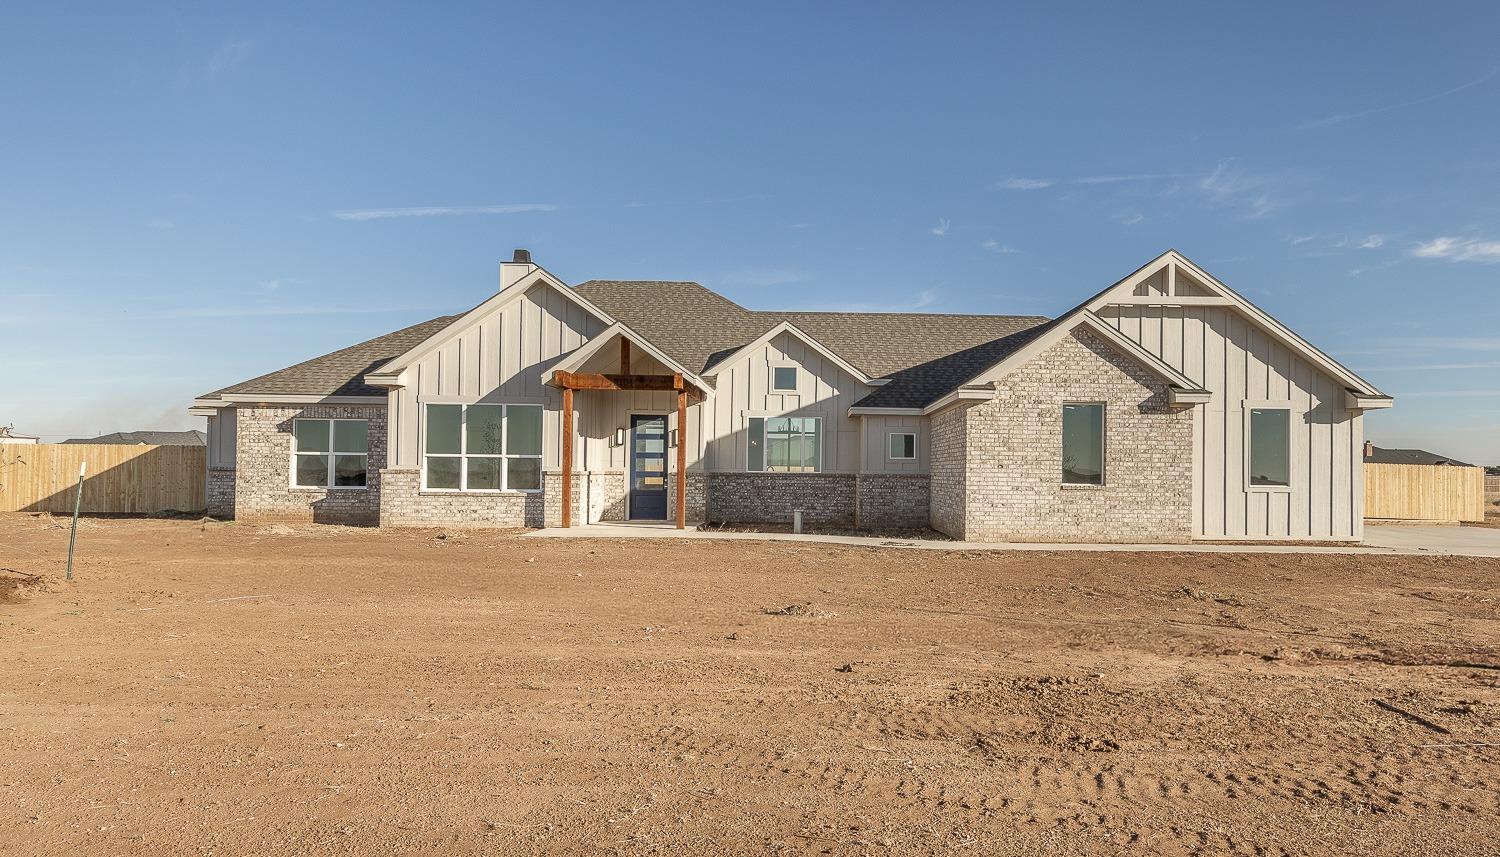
x: 191, y: 437
x: 342, y: 372
x: 1380, y: 455
x: 923, y: 354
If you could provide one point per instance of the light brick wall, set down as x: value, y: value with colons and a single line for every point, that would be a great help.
x: 763, y: 498
x: 220, y: 492
x: 1013, y: 486
x: 891, y: 500
x: 263, y: 463
x: 949, y: 456
x: 404, y: 504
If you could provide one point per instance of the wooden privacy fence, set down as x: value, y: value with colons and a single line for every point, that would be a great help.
x: 1424, y: 492
x: 121, y: 477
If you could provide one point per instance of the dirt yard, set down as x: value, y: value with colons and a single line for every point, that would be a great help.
x: 233, y: 689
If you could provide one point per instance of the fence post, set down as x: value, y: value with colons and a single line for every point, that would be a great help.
x: 83, y: 467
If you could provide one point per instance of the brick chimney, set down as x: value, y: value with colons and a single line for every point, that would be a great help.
x: 519, y: 266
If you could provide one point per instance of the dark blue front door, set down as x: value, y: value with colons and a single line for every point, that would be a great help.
x: 648, y: 467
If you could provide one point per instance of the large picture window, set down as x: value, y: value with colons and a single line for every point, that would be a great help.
x: 1083, y: 445
x: 786, y: 444
x: 330, y: 453
x: 483, y: 448
x: 1270, y: 447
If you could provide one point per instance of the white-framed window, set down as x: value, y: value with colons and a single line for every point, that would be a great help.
x: 784, y: 379
x: 1268, y: 447
x: 1083, y: 443
x: 901, y: 445
x: 482, y: 447
x: 330, y: 453
x: 786, y: 444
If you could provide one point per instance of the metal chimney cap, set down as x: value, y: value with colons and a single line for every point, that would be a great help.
x: 522, y: 255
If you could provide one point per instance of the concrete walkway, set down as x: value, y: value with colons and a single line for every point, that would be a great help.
x: 1389, y: 540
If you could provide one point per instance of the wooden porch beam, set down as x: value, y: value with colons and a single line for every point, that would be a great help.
x: 682, y: 443
x: 601, y: 381
x: 567, y: 457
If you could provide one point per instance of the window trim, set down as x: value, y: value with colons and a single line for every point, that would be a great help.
x: 330, y: 454
x: 796, y: 377
x: 463, y: 455
x: 1248, y: 406
x: 1103, y: 446
x: 748, y: 416
x: 910, y: 434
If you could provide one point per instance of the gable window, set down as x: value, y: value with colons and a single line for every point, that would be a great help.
x: 1083, y: 444
x: 1270, y: 448
x: 784, y: 378
x: 902, y: 445
x: 483, y: 448
x: 330, y: 453
x: 786, y: 444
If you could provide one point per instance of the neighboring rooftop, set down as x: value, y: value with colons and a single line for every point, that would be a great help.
x: 192, y: 437
x: 1380, y: 455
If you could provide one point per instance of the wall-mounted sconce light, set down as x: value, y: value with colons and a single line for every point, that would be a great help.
x: 672, y: 439
x: 619, y: 437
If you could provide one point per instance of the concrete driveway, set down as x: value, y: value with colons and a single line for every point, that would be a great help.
x: 1464, y: 541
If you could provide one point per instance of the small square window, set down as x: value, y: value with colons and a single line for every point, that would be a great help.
x: 784, y: 378
x: 903, y: 445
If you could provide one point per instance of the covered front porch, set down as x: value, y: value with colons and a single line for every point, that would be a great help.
x: 625, y: 433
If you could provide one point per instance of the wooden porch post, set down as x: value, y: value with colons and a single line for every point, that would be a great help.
x: 682, y: 442
x: 567, y: 458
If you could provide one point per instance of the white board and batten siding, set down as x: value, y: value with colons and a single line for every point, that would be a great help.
x: 221, y: 438
x: 1244, y: 367
x: 496, y: 357
x: 876, y: 455
x: 744, y: 390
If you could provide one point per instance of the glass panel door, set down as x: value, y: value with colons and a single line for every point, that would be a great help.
x: 648, y: 467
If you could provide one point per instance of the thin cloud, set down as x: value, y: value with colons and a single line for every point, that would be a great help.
x: 1372, y: 242
x: 1436, y: 367
x: 1131, y: 219
x: 1446, y: 343
x: 277, y: 312
x: 437, y: 211
x: 1024, y: 184
x: 228, y: 56
x: 942, y: 227
x: 1337, y: 118
x: 1451, y: 249
x: 1231, y: 185
x: 1134, y: 177
x: 994, y: 246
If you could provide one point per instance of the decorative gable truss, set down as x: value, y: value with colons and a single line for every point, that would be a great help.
x: 1173, y: 280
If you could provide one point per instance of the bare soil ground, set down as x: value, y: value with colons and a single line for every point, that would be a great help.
x: 234, y: 689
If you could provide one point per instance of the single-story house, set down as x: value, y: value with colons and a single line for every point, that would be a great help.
x: 1381, y: 455
x: 191, y: 437
x: 1165, y: 408
x: 8, y: 435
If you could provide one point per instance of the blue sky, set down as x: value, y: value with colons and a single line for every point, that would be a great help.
x: 192, y: 195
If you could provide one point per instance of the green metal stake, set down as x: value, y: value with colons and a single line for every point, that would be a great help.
x: 77, y: 504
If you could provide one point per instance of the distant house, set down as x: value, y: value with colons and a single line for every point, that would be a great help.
x: 1166, y: 407
x: 192, y: 437
x: 8, y: 435
x: 1380, y: 455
